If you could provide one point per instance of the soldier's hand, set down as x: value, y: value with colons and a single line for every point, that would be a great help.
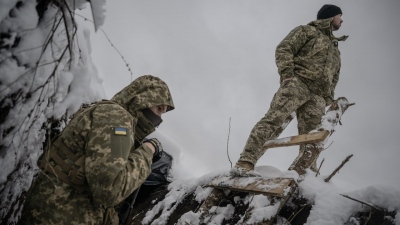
x: 157, y: 146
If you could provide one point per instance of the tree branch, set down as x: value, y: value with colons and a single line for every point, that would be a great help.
x: 227, y: 142
x: 319, y: 168
x: 339, y: 167
x: 364, y: 203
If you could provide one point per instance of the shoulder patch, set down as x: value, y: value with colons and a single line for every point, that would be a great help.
x: 119, y: 131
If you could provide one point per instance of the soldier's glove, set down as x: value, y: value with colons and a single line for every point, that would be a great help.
x: 157, y: 145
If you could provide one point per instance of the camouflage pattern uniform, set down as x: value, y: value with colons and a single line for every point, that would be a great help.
x: 309, y: 55
x: 101, y: 139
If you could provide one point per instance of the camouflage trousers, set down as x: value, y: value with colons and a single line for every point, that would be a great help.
x: 292, y: 96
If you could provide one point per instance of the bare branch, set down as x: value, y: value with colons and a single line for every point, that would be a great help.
x: 227, y: 142
x: 328, y: 146
x: 339, y: 167
x: 364, y: 203
x: 319, y: 168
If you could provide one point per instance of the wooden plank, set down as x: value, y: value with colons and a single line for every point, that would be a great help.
x: 297, y: 140
x: 271, y: 187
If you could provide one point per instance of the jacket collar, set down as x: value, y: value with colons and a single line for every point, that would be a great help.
x: 324, y: 26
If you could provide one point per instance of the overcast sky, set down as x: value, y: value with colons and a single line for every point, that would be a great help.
x: 217, y: 56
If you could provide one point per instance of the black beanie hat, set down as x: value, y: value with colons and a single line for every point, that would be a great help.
x: 328, y: 11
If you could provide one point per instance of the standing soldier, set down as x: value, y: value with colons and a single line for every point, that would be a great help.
x: 99, y: 159
x: 308, y: 61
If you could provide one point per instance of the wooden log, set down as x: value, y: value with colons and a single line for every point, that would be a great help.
x: 297, y: 140
x: 213, y: 199
x: 274, y: 201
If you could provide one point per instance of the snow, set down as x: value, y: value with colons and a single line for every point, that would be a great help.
x: 189, y: 218
x: 262, y: 209
x: 329, y: 207
x: 221, y: 214
x: 58, y: 83
x: 5, y: 8
x: 40, y: 78
x: 202, y: 193
x: 15, y: 21
x: 98, y: 12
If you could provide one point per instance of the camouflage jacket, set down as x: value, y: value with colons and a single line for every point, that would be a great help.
x: 311, y: 53
x: 103, y: 136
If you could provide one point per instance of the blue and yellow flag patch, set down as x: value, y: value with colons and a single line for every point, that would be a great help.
x: 120, y: 131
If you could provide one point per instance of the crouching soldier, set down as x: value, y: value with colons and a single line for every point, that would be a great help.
x: 93, y: 165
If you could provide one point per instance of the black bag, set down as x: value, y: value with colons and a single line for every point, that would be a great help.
x: 160, y: 175
x: 160, y: 170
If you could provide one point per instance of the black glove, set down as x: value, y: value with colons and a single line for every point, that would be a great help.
x: 157, y: 145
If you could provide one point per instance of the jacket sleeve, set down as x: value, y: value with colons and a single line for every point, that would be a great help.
x: 113, y: 168
x: 287, y: 50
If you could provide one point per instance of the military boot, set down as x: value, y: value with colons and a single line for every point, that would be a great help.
x: 242, y: 169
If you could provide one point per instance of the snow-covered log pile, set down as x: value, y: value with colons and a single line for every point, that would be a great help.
x: 316, y: 202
